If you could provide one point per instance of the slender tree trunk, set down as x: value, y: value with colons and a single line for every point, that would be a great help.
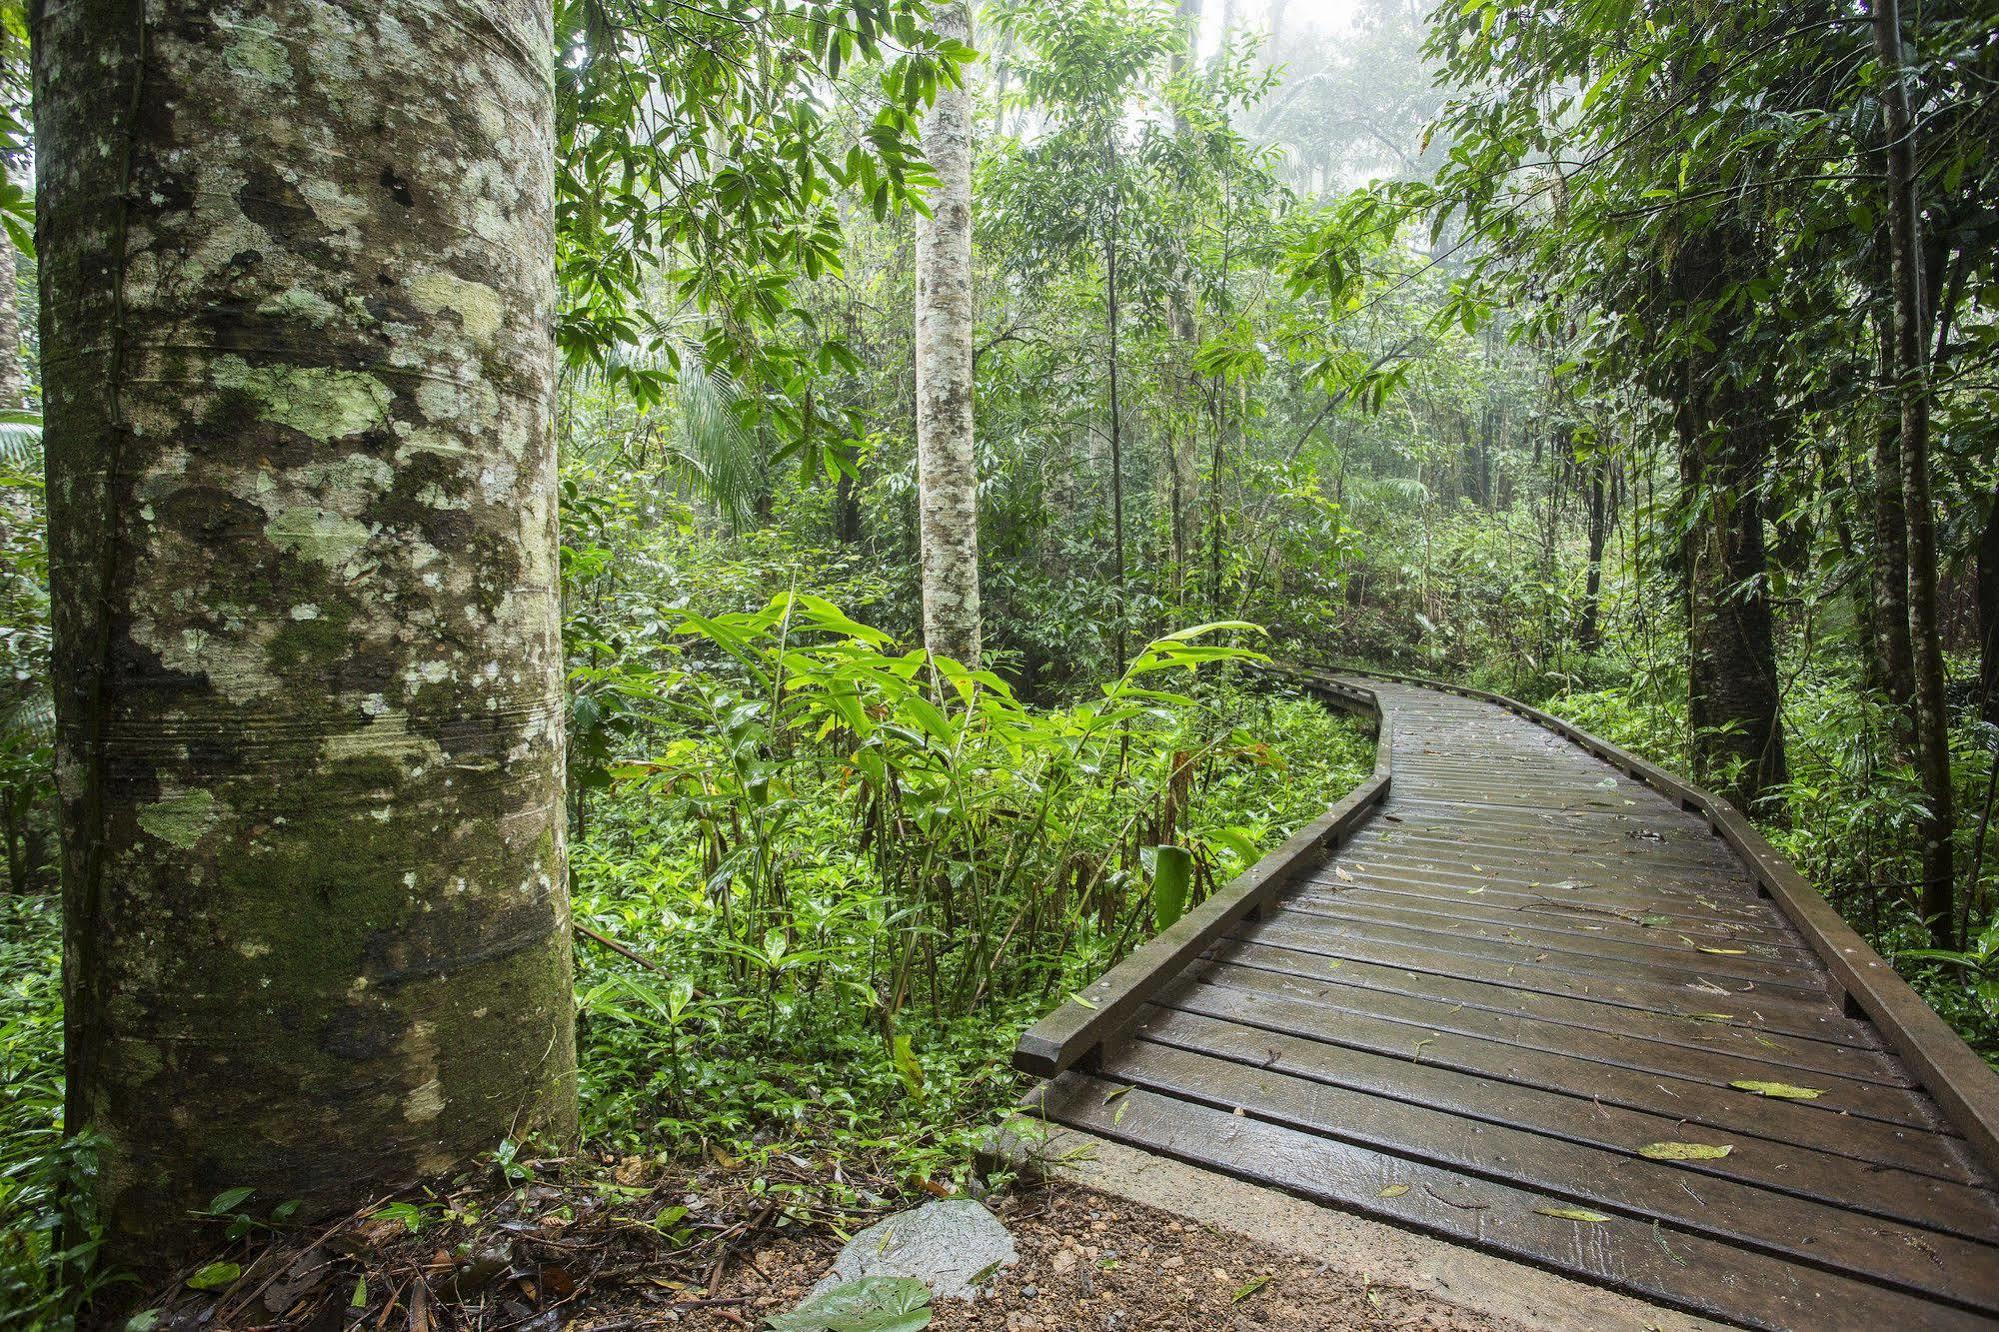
x: 13, y: 372
x: 1889, y: 571
x: 1589, y: 634
x: 1988, y: 613
x: 1184, y: 443
x: 1913, y: 389
x: 1117, y: 442
x: 297, y: 311
x: 947, y: 482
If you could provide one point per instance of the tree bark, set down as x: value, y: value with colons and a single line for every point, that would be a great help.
x: 1988, y: 613
x: 1589, y: 633
x: 1932, y: 722
x: 1889, y: 570
x: 1183, y: 461
x: 297, y: 315
x: 947, y: 482
x: 1733, y: 707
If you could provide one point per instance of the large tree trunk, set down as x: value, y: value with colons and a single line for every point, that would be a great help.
x: 1913, y: 389
x: 947, y: 484
x: 297, y: 309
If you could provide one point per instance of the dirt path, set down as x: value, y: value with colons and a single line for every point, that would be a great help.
x: 1090, y: 1261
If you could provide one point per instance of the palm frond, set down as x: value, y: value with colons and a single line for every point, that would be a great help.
x: 20, y: 443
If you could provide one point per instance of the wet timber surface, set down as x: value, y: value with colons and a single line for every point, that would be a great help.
x: 1525, y: 1006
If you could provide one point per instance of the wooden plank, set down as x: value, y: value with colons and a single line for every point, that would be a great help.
x: 1102, y: 1008
x: 1686, y: 1271
x: 1922, y: 1200
x: 1694, y: 1028
x: 1829, y: 1025
x: 1921, y: 1261
x: 1687, y: 901
x: 1964, y: 1086
x: 1599, y: 935
x: 1552, y: 912
x: 1692, y: 1100
x: 1792, y: 997
x: 1333, y: 1007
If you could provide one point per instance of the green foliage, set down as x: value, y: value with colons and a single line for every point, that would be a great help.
x: 48, y: 1238
x: 859, y: 872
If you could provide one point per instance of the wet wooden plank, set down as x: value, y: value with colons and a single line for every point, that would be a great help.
x: 1800, y: 1002
x: 1924, y: 1201
x: 1597, y: 935
x: 1922, y: 1261
x: 1550, y: 912
x: 1626, y: 1253
x: 1694, y: 1028
x: 1964, y: 1085
x: 1829, y: 1025
x: 1338, y: 1004
x: 1694, y: 1101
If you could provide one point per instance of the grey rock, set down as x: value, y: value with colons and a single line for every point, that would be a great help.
x: 952, y: 1246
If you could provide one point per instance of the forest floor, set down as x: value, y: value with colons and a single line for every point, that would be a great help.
x: 553, y: 1255
x: 1092, y: 1261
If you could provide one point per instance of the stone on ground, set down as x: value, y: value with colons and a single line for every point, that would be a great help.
x: 952, y: 1246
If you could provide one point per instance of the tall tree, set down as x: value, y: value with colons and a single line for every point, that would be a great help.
x: 1911, y: 365
x: 297, y: 303
x: 947, y: 474
x: 1183, y: 448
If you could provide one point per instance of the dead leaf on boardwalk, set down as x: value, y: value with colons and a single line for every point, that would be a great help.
x: 1684, y: 1151
x: 1782, y: 1091
x: 1725, y: 952
x: 1393, y: 1191
x: 1340, y: 873
x: 1572, y: 1213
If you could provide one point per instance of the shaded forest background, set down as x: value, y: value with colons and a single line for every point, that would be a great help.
x: 1527, y: 346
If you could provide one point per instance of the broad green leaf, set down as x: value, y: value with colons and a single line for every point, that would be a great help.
x: 871, y: 1304
x: 215, y: 1276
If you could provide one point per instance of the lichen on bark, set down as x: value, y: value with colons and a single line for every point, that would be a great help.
x: 297, y: 302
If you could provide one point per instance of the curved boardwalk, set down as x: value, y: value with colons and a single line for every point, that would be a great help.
x: 1519, y: 972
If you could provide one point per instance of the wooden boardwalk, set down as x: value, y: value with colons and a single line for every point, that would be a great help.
x: 1520, y: 978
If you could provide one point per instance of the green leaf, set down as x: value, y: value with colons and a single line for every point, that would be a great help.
x: 1393, y: 1191
x: 872, y: 1304
x: 1249, y: 1288
x: 1170, y: 880
x: 1683, y: 1151
x: 215, y: 1276
x: 1572, y: 1213
x: 908, y: 1068
x: 229, y: 1200
x: 1783, y: 1091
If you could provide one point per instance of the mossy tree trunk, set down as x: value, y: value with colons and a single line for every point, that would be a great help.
x: 297, y: 299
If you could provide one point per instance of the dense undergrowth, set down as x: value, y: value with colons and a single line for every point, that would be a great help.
x: 818, y: 895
